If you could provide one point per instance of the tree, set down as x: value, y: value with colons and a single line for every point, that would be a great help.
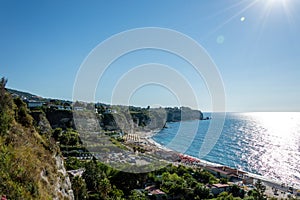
x: 260, y: 189
x: 56, y: 133
x: 5, y: 122
x: 249, y: 198
x: 181, y: 170
x: 4, y: 100
x: 5, y: 104
x: 125, y: 181
x: 73, y: 163
x: 204, y: 176
x: 253, y: 194
x: 116, y: 194
x: 224, y: 180
x: 92, y: 175
x: 236, y: 191
x: 104, y: 187
x: 201, y: 191
x: 21, y: 113
x: 225, y: 196
x: 69, y: 137
x: 173, y: 184
x: 79, y: 188
x: 137, y: 195
x: 189, y: 179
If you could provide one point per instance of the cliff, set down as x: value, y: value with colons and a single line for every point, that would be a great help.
x: 31, y: 166
x: 111, y: 117
x: 120, y: 117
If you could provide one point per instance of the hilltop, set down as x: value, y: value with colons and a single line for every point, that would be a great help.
x: 24, y: 95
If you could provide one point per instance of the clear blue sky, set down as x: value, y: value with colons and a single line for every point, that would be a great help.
x: 254, y: 43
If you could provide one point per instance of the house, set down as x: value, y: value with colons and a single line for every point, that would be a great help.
x: 78, y: 108
x: 110, y: 111
x: 68, y: 108
x: 219, y: 188
x: 248, y: 180
x: 77, y: 172
x: 226, y: 172
x: 60, y: 107
x: 152, y: 191
x: 34, y: 104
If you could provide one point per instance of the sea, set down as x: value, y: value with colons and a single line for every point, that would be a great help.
x: 263, y: 143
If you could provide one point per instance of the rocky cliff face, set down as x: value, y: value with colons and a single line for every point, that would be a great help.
x: 31, y: 166
x: 62, y: 184
x: 60, y: 118
x: 63, y: 188
x: 123, y: 119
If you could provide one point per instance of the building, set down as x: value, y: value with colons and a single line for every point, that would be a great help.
x: 77, y: 172
x: 219, y: 188
x: 78, y: 108
x: 226, y: 172
x: 152, y: 191
x: 60, y: 107
x: 34, y: 104
x: 248, y: 180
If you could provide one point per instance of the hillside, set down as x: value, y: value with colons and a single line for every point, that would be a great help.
x: 26, y: 95
x: 111, y: 117
x: 31, y: 166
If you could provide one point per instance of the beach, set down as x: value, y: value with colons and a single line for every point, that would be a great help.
x: 273, y: 188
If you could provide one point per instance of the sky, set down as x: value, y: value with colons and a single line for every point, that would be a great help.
x: 254, y: 44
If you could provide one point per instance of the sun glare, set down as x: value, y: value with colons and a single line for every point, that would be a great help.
x: 273, y: 9
x: 269, y: 8
x: 279, y: 126
x: 275, y: 3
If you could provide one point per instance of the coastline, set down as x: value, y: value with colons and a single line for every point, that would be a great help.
x: 203, y: 163
x: 198, y: 160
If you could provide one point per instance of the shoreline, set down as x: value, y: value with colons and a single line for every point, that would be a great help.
x: 203, y: 163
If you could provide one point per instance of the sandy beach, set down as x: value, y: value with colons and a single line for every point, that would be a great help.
x: 196, y: 162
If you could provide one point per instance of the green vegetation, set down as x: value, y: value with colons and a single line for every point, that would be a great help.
x: 259, y: 192
x: 79, y: 187
x: 177, y: 182
x: 68, y: 137
x: 24, y: 153
x: 6, y: 106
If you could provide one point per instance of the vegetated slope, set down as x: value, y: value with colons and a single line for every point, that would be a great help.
x: 24, y: 94
x: 30, y: 166
x: 111, y: 117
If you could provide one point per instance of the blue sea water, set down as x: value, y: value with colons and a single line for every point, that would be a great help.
x: 264, y: 143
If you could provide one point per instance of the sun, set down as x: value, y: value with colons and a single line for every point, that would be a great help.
x: 279, y: 6
x: 266, y: 10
